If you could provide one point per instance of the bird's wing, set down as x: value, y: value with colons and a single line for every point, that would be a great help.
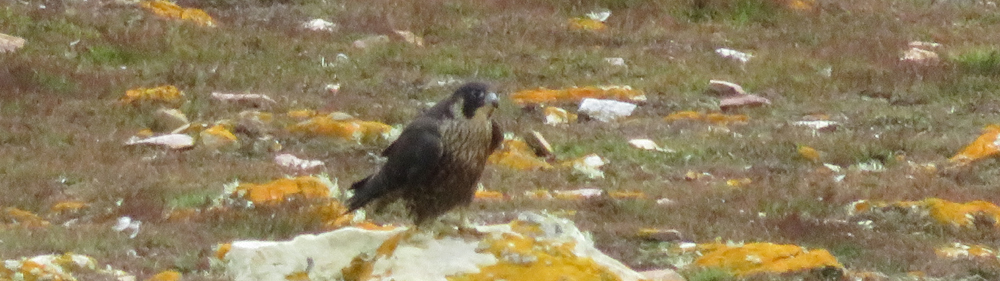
x: 413, y: 158
x: 497, y: 138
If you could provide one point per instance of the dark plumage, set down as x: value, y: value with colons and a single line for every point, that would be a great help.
x: 436, y: 162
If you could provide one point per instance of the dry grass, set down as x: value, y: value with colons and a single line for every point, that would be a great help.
x: 61, y: 132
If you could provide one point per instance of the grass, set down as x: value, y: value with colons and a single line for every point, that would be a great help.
x: 61, y: 131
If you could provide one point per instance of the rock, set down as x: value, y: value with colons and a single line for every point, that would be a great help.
x: 734, y: 54
x: 615, y: 61
x: 540, y: 146
x: 743, y: 101
x: 218, y: 137
x: 370, y: 41
x: 583, y: 193
x: 648, y: 144
x: 662, y: 275
x: 606, y: 110
x: 819, y: 125
x: 920, y: 56
x: 170, y: 119
x: 556, y: 116
x: 589, y: 166
x: 173, y: 141
x: 725, y: 89
x: 663, y: 235
x: 127, y: 224
x: 59, y: 267
x: 319, y: 25
x: 251, y: 100
x: 292, y: 162
x: 408, y: 37
x: 533, y: 247
x: 10, y: 43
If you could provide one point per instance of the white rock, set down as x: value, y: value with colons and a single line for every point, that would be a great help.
x: 648, y: 144
x: 725, y: 88
x: 257, y: 100
x: 734, y: 54
x: 581, y: 193
x: 127, y: 224
x: 10, y: 43
x: 600, y: 15
x: 606, y: 110
x: 319, y: 25
x: 170, y: 118
x: 417, y: 256
x: 615, y: 61
x: 292, y: 162
x: 818, y: 125
x: 918, y: 55
x: 173, y: 141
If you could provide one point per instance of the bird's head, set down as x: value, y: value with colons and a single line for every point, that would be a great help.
x: 474, y: 100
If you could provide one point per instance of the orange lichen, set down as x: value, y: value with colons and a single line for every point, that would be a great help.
x: 280, y: 189
x: 68, y: 206
x: 184, y: 214
x: 144, y: 133
x: 489, y: 195
x: 170, y: 10
x: 167, y: 275
x: 367, y: 225
x: 576, y: 94
x: 538, y: 194
x: 802, y: 5
x: 714, y: 118
x: 757, y: 258
x: 518, y: 155
x: 525, y: 258
x: 986, y: 145
x: 351, y: 129
x: 25, y: 218
x: 584, y: 23
x: 222, y: 249
x: 332, y: 215
x: 168, y: 95
x: 627, y: 194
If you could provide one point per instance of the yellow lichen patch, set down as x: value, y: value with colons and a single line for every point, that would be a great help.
x: 986, y: 145
x: 808, y: 153
x: 627, y: 194
x: 25, y: 218
x: 367, y: 225
x: 524, y: 258
x: 184, y: 214
x: 280, y: 189
x: 332, y: 214
x: 301, y: 114
x: 217, y: 136
x: 757, y: 258
x: 168, y: 95
x: 584, y: 23
x: 166, y: 275
x: 50, y: 267
x: 516, y: 154
x: 738, y: 182
x: 68, y: 206
x: 170, y: 10
x: 958, y: 214
x: 222, y: 249
x: 351, y: 129
x: 298, y: 276
x: 489, y: 195
x: 144, y: 133
x: 962, y: 251
x: 714, y: 118
x: 576, y: 94
x: 555, y: 115
x: 802, y: 5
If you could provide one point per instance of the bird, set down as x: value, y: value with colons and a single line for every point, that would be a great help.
x: 437, y: 160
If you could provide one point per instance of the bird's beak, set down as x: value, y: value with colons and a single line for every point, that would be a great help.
x: 491, y: 98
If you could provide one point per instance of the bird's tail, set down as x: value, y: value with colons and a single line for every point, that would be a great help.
x: 366, y: 190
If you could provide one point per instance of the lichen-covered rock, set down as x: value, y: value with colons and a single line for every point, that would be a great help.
x: 533, y: 247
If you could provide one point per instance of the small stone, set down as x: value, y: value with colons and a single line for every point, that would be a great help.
x: 409, y: 37
x: 541, y: 146
x: 648, y: 144
x: 819, y: 125
x: 293, y: 162
x: 10, y: 43
x: 734, y: 54
x: 370, y: 41
x: 319, y: 25
x: 721, y: 88
x: 606, y: 110
x: 253, y: 100
x: 920, y: 56
x: 173, y: 141
x: 661, y: 235
x: 743, y: 101
x: 170, y: 119
x: 615, y: 61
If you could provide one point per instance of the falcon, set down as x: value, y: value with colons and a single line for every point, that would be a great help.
x: 437, y: 160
